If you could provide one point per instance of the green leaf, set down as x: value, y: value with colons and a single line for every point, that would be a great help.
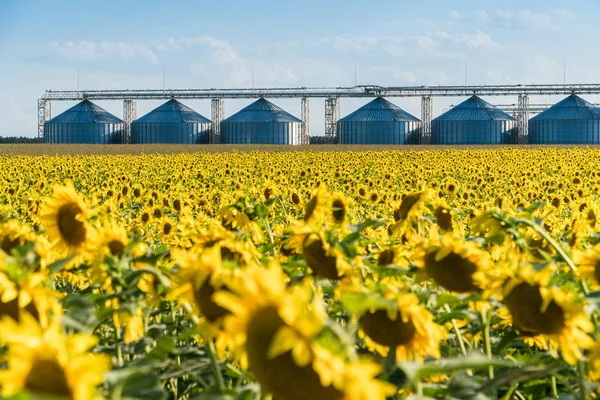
x: 59, y: 265
x: 448, y: 365
x: 142, y: 386
x: 164, y: 347
x: 359, y: 303
x: 452, y: 315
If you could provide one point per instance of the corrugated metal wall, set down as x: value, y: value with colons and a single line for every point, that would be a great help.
x: 548, y: 131
x: 84, y: 123
x: 572, y: 120
x: 261, y: 132
x: 378, y: 132
x: 473, y: 132
x: 169, y: 132
x: 83, y: 133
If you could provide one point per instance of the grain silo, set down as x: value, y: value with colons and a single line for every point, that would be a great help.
x: 570, y: 121
x: 171, y: 122
x: 262, y: 122
x: 84, y: 123
x: 378, y: 122
x: 474, y: 121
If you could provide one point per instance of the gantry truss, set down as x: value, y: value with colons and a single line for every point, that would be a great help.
x: 354, y: 91
x: 305, y: 116
x: 332, y: 101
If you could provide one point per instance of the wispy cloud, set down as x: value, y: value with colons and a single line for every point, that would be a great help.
x: 224, y: 59
x: 519, y: 19
x: 86, y: 51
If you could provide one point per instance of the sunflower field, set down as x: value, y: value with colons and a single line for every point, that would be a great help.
x: 455, y: 274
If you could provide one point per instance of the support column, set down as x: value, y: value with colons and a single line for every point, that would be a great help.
x: 523, y: 119
x: 332, y: 115
x: 305, y: 115
x: 426, y: 117
x: 44, y: 114
x: 217, y: 115
x: 129, y: 114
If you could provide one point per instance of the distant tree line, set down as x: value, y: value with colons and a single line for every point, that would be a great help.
x: 20, y: 139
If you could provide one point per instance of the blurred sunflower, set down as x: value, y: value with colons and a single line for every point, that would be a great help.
x: 403, y: 324
x: 452, y: 263
x: 538, y: 309
x: 50, y: 364
x: 65, y: 217
x: 275, y: 330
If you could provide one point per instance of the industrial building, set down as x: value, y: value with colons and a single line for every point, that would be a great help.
x: 84, y: 123
x: 262, y: 122
x: 570, y: 121
x: 378, y: 122
x: 172, y: 122
x: 474, y: 121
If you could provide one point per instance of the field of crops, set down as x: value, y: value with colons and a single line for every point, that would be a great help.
x: 462, y: 274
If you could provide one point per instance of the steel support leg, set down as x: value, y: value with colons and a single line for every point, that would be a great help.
x: 217, y: 114
x: 523, y: 119
x: 129, y: 114
x: 43, y: 115
x: 332, y: 115
x: 305, y: 115
x: 426, y: 117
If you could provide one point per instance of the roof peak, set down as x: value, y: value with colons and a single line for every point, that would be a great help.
x: 475, y: 109
x: 262, y: 110
x: 379, y: 109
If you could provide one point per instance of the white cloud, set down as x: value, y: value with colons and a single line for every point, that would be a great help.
x: 224, y: 60
x: 83, y: 50
x: 519, y: 19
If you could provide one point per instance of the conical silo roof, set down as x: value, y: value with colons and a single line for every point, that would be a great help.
x: 262, y: 110
x: 474, y: 109
x: 572, y: 107
x: 85, y: 112
x: 173, y: 112
x: 379, y: 110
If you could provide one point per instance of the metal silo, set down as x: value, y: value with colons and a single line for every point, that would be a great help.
x: 474, y: 121
x: 570, y: 121
x: 378, y: 122
x: 172, y: 122
x: 262, y: 122
x: 84, y: 123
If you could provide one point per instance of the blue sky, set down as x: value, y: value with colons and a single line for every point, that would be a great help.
x: 200, y: 44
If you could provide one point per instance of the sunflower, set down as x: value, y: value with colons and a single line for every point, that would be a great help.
x: 65, y: 217
x: 200, y: 275
x: 315, y: 208
x: 50, y: 364
x: 588, y: 262
x: 339, y: 208
x: 452, y: 263
x: 23, y: 291
x: 400, y: 322
x: 539, y: 309
x: 594, y: 363
x: 408, y: 212
x: 113, y: 239
x: 324, y: 259
x: 276, y: 330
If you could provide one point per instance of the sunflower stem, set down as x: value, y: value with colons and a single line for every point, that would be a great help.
x: 118, y: 346
x: 212, y: 353
x: 270, y: 233
x: 554, y: 388
x: 510, y: 391
x: 583, y: 395
x: 461, y: 341
x: 542, y: 232
x: 390, y: 362
x: 485, y: 325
